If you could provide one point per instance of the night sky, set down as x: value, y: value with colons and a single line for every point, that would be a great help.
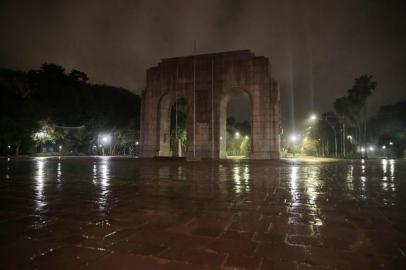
x: 321, y: 45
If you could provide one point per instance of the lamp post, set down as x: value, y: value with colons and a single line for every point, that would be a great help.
x: 313, y: 118
x: 384, y: 150
x: 293, y: 139
x: 371, y: 149
x: 104, y: 140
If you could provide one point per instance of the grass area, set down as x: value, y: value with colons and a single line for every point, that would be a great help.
x: 237, y: 157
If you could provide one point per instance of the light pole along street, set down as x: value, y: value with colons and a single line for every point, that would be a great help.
x: 313, y: 119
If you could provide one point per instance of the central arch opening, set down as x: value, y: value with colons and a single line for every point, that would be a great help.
x: 178, y: 128
x: 236, y: 127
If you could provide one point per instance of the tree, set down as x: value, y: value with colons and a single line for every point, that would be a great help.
x: 76, y: 110
x: 178, y: 127
x: 351, y: 107
x: 342, y: 107
x: 310, y: 147
x: 245, y: 146
x: 18, y: 113
x: 357, y: 95
x: 388, y: 127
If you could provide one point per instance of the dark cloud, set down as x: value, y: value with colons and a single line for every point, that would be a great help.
x: 115, y: 41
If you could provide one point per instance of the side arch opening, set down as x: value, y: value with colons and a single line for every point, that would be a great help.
x: 235, y: 124
x: 173, y: 128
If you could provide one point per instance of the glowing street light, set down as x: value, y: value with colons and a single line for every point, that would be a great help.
x: 390, y: 143
x: 383, y: 146
x: 313, y: 117
x: 237, y: 134
x: 104, y: 141
x: 246, y: 137
x: 371, y: 148
x: 106, y: 138
x: 362, y: 149
x: 293, y: 138
x: 136, y: 143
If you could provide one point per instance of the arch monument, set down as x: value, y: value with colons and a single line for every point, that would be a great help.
x: 206, y: 82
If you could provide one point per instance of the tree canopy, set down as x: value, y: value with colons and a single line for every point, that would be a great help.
x: 73, y: 108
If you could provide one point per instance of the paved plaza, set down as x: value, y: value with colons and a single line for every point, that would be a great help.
x: 124, y: 213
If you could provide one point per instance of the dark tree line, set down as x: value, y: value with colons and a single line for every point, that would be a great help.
x: 51, y: 108
x: 350, y: 133
x: 388, y: 128
x: 342, y: 132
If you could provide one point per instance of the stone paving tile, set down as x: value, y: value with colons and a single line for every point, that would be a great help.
x: 196, y: 256
x: 69, y: 257
x: 144, y: 214
x: 281, y: 252
x: 231, y: 246
x: 276, y: 264
x: 132, y: 261
x: 138, y: 247
x: 242, y: 261
x: 22, y: 251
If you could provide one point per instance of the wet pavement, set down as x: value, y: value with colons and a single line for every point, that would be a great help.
x: 121, y: 213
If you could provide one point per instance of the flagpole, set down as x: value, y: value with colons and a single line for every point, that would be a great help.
x: 212, y: 108
x: 176, y: 103
x: 194, y: 99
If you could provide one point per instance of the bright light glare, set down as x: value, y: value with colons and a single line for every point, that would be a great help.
x: 383, y: 146
x: 237, y: 134
x: 293, y: 138
x: 390, y: 143
x: 371, y: 148
x: 40, y: 134
x: 246, y: 137
x: 106, y: 138
x: 313, y: 117
x: 362, y: 149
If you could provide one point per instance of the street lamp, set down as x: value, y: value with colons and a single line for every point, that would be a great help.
x: 106, y: 138
x: 293, y: 138
x: 384, y: 147
x: 371, y: 148
x: 313, y: 117
x: 237, y: 135
x: 390, y: 143
x: 104, y: 141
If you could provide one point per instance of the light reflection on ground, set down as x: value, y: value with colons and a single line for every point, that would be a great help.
x: 105, y: 213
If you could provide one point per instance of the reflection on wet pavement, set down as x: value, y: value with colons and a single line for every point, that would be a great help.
x: 116, y: 213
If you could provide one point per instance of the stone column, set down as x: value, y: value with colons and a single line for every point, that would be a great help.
x: 149, y: 125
